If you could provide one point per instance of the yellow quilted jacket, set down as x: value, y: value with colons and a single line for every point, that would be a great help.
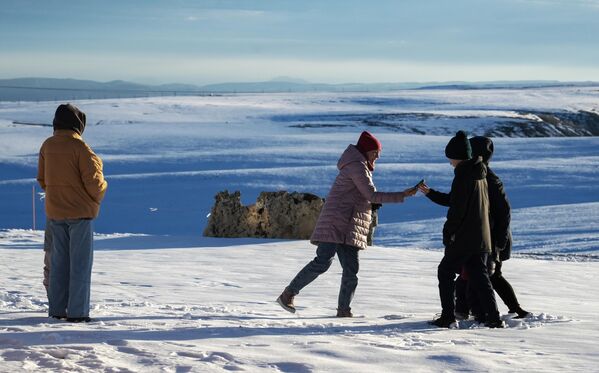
x: 71, y: 174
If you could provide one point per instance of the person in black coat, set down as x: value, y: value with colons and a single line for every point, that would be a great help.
x: 501, y: 237
x: 466, y: 233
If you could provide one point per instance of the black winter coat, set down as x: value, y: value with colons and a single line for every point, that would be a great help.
x: 500, y: 217
x: 501, y: 234
x: 467, y: 229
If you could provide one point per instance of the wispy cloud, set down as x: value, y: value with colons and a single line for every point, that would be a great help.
x: 581, y: 3
x: 224, y: 14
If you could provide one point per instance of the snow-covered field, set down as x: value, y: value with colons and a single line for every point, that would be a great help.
x: 211, y: 308
x: 166, y: 299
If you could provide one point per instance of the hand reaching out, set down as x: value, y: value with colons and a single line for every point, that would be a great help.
x: 410, y: 191
x: 424, y: 188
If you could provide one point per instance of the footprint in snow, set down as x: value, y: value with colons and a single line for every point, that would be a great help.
x: 293, y: 367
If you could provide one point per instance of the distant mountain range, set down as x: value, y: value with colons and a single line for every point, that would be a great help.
x: 49, y: 89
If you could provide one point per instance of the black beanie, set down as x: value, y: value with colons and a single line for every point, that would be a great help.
x: 482, y: 146
x: 459, y: 147
x: 68, y: 117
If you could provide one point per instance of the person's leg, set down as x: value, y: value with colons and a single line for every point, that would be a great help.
x: 462, y: 307
x: 47, y: 255
x: 58, y: 291
x: 81, y: 260
x: 350, y: 262
x: 504, y: 289
x: 319, y: 265
x: 474, y: 303
x: 506, y: 292
x: 446, y: 273
x: 476, y: 265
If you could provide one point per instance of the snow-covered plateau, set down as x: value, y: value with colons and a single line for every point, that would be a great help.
x: 166, y: 299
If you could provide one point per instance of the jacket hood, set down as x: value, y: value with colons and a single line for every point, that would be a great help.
x: 69, y: 117
x: 350, y: 155
x: 473, y: 168
x: 482, y: 146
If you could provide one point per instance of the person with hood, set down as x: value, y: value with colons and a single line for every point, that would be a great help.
x: 71, y: 175
x: 501, y: 239
x: 466, y: 233
x: 344, y: 221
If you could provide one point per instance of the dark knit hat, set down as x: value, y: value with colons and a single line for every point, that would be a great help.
x: 459, y: 147
x: 368, y: 142
x: 482, y: 146
x: 68, y: 117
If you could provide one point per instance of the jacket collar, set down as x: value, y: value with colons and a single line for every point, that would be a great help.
x: 67, y: 133
x: 350, y: 155
x: 473, y: 167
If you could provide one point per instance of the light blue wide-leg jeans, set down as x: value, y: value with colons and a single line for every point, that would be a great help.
x: 70, y: 274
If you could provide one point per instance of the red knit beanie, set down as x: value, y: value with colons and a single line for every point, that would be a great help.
x: 368, y: 142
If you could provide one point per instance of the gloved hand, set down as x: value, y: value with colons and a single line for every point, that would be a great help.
x: 491, y: 264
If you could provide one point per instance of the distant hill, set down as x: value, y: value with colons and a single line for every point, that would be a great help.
x: 51, y: 89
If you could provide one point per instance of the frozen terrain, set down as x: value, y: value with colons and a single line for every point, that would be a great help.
x: 210, y: 307
x: 166, y: 158
x: 168, y: 300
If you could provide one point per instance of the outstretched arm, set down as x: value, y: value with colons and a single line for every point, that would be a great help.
x: 363, y: 181
x: 439, y: 198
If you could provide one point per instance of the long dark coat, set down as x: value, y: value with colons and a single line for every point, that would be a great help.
x: 467, y: 229
x: 500, y: 217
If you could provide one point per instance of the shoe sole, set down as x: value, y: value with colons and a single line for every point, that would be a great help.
x: 453, y: 325
x: 285, y: 307
x: 523, y: 316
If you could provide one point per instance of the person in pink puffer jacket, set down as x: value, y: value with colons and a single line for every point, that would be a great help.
x: 344, y: 221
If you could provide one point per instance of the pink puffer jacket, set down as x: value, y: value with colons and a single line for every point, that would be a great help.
x: 345, y: 216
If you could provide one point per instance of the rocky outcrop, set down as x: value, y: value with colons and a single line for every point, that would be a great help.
x: 274, y: 215
x: 559, y: 123
x: 549, y: 124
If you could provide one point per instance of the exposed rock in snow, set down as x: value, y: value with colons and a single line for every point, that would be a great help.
x: 274, y: 215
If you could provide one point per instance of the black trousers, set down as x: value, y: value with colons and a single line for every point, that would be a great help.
x: 475, y: 265
x: 466, y: 299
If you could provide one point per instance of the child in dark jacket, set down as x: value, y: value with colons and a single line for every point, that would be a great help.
x: 501, y: 239
x: 466, y: 233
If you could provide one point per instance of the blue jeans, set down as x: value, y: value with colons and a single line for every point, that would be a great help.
x: 71, y: 267
x: 47, y: 254
x: 349, y: 260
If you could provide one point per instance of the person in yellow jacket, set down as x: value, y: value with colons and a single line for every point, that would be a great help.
x: 71, y: 175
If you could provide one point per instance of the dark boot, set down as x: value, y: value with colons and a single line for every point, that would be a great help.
x: 521, y: 314
x: 494, y: 321
x: 445, y: 322
x: 480, y: 318
x: 344, y: 312
x: 497, y: 323
x: 286, y: 300
x: 79, y: 319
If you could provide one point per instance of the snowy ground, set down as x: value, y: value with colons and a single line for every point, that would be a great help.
x: 209, y: 308
x: 167, y: 299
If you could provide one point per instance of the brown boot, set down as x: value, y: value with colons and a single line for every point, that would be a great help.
x: 344, y: 313
x: 286, y: 300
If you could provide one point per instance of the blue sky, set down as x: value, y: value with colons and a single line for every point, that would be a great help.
x: 332, y: 41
